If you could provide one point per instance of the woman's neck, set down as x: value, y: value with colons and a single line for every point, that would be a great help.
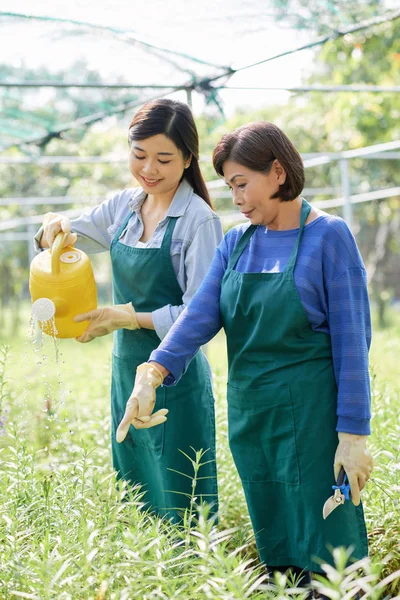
x: 154, y: 208
x: 287, y: 215
x: 160, y: 202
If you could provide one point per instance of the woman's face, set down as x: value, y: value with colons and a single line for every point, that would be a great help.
x: 252, y: 190
x: 157, y: 164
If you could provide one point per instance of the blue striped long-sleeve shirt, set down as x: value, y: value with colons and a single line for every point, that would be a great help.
x: 331, y: 281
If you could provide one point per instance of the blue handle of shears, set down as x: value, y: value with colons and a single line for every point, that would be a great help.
x: 342, y: 484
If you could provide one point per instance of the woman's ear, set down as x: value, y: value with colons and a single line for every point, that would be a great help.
x: 188, y: 162
x: 279, y: 171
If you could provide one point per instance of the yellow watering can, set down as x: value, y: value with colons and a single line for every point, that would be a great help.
x: 62, y: 285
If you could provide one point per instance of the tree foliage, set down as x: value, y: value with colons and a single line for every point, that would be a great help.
x: 325, y: 16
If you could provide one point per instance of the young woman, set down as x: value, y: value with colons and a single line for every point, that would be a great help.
x: 290, y: 290
x: 162, y: 237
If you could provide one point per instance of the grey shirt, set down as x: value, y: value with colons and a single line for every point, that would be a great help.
x: 196, y: 235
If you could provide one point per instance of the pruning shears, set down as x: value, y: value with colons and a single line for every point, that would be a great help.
x: 341, y: 493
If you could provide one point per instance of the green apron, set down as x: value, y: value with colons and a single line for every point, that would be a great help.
x: 282, y: 399
x: 153, y: 457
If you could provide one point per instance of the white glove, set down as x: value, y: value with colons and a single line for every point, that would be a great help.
x: 54, y: 224
x: 107, y: 319
x: 353, y: 455
x: 141, y: 403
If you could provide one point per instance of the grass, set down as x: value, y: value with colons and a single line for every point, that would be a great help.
x: 69, y: 532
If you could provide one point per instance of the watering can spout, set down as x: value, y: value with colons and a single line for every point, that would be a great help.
x: 43, y: 309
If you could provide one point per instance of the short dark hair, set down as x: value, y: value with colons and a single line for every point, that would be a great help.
x: 256, y: 146
x: 174, y: 119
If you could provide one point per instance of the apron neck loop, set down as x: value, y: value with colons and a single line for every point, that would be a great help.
x: 122, y: 228
x: 166, y: 243
x: 305, y: 211
x: 240, y: 246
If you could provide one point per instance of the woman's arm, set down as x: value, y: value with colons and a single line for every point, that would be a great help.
x: 197, y: 325
x: 197, y: 260
x: 350, y: 328
x: 164, y: 372
x: 95, y: 228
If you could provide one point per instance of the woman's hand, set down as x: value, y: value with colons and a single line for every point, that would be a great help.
x: 106, y: 320
x: 53, y: 224
x: 140, y: 405
x: 353, y: 455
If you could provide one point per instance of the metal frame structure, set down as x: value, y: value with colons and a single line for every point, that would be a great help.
x: 209, y: 87
x: 386, y: 151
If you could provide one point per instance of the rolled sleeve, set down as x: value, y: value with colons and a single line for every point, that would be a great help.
x: 165, y: 317
x: 95, y: 228
x: 200, y: 254
x: 36, y: 241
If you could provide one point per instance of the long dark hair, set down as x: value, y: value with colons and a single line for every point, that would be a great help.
x: 256, y: 146
x: 175, y: 120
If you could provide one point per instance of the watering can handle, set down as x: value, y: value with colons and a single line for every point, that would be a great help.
x: 56, y: 249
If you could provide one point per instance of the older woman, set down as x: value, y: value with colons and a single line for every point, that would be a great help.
x: 290, y: 290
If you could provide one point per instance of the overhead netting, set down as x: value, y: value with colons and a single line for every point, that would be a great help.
x: 94, y: 59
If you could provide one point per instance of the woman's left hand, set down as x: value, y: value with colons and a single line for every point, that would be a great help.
x: 140, y: 405
x: 353, y: 455
x: 106, y: 320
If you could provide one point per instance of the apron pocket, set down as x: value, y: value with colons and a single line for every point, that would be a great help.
x: 262, y: 434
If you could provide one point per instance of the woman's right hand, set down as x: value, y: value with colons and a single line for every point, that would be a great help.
x: 353, y: 455
x: 139, y: 408
x: 53, y: 224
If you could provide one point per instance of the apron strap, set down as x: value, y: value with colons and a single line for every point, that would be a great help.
x: 240, y: 246
x: 122, y: 228
x: 166, y: 243
x: 305, y: 211
x: 167, y: 236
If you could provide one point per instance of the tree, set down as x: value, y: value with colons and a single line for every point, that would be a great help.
x: 326, y: 16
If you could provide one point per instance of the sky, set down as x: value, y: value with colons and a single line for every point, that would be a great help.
x: 201, y: 28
